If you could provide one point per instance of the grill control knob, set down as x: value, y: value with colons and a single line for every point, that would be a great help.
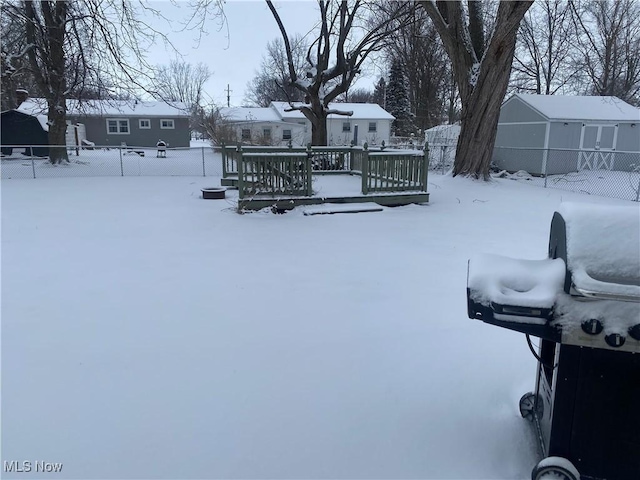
x: 614, y: 340
x: 592, y: 327
x: 635, y: 332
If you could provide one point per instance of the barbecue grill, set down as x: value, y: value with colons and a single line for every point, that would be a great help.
x: 583, y: 302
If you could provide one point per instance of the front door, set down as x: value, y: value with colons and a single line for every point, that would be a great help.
x: 597, y: 147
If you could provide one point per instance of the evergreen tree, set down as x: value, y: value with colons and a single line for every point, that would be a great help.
x: 397, y: 103
x: 379, y: 92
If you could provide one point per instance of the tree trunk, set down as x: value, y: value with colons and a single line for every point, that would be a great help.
x: 481, y: 111
x: 482, y: 80
x: 319, y: 131
x: 317, y: 115
x: 57, y: 134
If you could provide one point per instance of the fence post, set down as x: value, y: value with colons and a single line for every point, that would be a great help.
x: 33, y: 165
x: 544, y: 166
x: 204, y: 174
x: 365, y: 169
x: 444, y: 155
x: 240, y: 173
x: 121, y: 166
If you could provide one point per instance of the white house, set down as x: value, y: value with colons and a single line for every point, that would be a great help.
x: 264, y: 126
x: 275, y: 125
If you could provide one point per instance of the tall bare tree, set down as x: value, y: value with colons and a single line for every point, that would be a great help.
x: 337, y: 54
x: 609, y: 47
x: 543, y: 60
x: 481, y: 69
x: 271, y: 83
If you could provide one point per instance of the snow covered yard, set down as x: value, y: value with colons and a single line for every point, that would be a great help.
x: 147, y: 333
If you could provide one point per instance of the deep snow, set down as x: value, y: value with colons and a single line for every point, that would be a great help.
x: 147, y: 333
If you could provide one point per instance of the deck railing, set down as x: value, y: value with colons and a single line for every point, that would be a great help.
x: 394, y: 171
x: 323, y: 159
x: 267, y: 173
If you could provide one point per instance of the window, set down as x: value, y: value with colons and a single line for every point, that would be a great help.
x: 346, y: 126
x: 144, y: 124
x: 373, y: 127
x: 286, y: 134
x: 246, y: 134
x: 117, y: 126
x: 166, y: 124
x: 266, y: 133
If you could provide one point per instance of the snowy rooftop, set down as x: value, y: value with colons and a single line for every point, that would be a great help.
x: 244, y: 114
x: 565, y: 107
x: 38, y: 106
x: 360, y: 110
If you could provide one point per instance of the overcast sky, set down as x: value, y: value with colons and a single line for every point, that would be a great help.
x: 234, y: 52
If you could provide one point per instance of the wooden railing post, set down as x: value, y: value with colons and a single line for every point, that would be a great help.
x: 224, y: 161
x: 365, y: 169
x: 240, y: 172
x: 425, y: 165
x: 308, y: 172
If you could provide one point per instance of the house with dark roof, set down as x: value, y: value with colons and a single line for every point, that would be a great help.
x: 556, y: 134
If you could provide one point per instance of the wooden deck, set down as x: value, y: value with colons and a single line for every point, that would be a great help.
x: 289, y: 203
x: 338, y: 189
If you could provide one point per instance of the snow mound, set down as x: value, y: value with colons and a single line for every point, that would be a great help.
x: 603, y: 247
x: 510, y: 281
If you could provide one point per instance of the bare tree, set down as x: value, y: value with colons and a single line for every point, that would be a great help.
x: 13, y: 59
x: 609, y: 47
x: 336, y: 56
x: 357, y: 95
x: 542, y: 62
x: 271, y: 83
x: 419, y: 50
x: 481, y: 68
x: 61, y: 60
x: 181, y: 82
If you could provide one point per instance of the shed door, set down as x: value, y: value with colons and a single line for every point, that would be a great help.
x: 597, y: 147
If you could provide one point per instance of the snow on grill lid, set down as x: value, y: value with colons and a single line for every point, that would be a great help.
x: 510, y: 281
x: 603, y: 247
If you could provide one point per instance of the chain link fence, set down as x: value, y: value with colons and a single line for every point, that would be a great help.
x: 24, y: 162
x: 604, y: 173
x: 594, y: 172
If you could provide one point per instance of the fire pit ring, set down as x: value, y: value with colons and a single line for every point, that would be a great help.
x: 213, y: 193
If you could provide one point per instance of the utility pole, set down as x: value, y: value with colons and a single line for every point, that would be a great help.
x: 228, y: 95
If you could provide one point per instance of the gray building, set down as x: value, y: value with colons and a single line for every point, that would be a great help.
x: 555, y: 134
x: 134, y: 123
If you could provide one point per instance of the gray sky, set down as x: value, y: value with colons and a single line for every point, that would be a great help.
x: 235, y: 52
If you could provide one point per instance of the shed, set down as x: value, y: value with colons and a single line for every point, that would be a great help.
x: 556, y: 134
x: 21, y: 129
